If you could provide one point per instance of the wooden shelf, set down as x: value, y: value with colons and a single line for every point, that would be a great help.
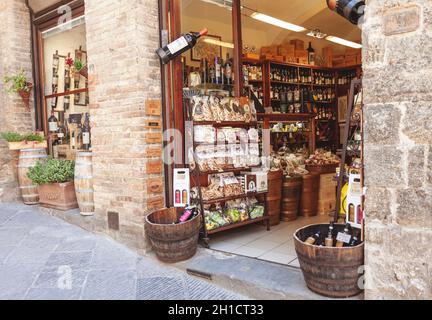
x: 243, y: 196
x: 228, y: 170
x: 225, y: 124
x: 280, y: 117
x: 66, y: 93
x: 238, y: 225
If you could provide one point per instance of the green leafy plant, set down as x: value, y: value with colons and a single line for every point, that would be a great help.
x: 78, y: 65
x: 19, y: 82
x: 52, y: 171
x: 17, y: 137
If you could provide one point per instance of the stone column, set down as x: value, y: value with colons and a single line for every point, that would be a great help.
x: 122, y: 36
x: 397, y: 62
x: 15, y: 53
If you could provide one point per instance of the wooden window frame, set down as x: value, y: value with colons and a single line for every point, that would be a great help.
x: 40, y: 22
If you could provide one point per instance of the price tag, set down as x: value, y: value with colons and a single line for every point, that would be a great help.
x: 342, y: 237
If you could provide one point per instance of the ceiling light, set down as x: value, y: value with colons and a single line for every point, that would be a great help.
x: 219, y: 43
x: 344, y: 42
x: 317, y: 34
x: 276, y: 22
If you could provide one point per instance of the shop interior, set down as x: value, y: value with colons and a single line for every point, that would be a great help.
x: 298, y: 59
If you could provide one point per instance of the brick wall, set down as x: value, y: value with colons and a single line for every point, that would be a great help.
x: 122, y: 36
x: 397, y: 38
x: 15, y: 53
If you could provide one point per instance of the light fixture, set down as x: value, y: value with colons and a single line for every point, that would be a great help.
x: 344, y: 42
x: 276, y: 22
x: 219, y: 43
x: 317, y: 34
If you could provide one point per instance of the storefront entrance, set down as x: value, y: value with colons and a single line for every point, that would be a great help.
x: 291, y: 64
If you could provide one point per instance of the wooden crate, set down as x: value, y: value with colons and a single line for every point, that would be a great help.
x: 13, y: 146
x: 327, y: 54
x: 298, y: 44
x: 350, y: 60
x: 251, y: 56
x: 286, y: 50
x: 327, y: 194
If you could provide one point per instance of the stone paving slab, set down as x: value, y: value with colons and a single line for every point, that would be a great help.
x: 45, y: 258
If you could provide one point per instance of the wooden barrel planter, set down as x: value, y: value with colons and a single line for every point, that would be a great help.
x: 331, y: 272
x: 28, y: 159
x: 309, y: 196
x: 172, y: 242
x: 84, y: 183
x: 292, y: 188
x: 274, y: 196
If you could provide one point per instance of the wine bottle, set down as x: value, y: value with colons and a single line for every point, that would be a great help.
x: 55, y: 145
x: 345, y: 237
x: 177, y: 47
x: 329, y: 241
x: 52, y: 123
x: 86, y: 132
x: 218, y: 70
x: 228, y: 70
x: 313, y: 239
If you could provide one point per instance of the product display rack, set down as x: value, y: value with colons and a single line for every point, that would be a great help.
x: 198, y: 178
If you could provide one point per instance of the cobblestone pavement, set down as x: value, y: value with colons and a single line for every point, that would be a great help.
x: 42, y: 257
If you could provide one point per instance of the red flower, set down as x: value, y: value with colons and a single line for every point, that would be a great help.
x: 69, y: 62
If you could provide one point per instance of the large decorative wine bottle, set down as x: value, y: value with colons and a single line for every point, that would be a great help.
x: 177, y: 47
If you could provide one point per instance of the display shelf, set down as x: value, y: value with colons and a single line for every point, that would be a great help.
x: 225, y: 123
x: 229, y: 170
x: 237, y: 225
x: 242, y: 196
x: 280, y: 117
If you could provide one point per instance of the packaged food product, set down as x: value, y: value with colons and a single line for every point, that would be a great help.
x: 215, y: 102
x: 231, y: 186
x: 253, y: 135
x: 204, y: 134
x: 201, y: 109
x: 256, y: 211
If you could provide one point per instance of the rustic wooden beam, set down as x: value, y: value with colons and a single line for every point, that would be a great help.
x: 238, y: 47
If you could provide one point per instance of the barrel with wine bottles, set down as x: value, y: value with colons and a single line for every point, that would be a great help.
x: 331, y: 259
x: 174, y: 233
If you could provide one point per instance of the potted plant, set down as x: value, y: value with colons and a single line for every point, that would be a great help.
x: 21, y: 86
x: 55, y: 180
x: 17, y: 141
x: 80, y: 68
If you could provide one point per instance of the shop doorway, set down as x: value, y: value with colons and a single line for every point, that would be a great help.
x: 295, y: 60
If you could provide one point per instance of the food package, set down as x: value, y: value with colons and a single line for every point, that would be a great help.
x: 204, y: 134
x: 256, y: 211
x: 253, y: 135
x: 231, y: 186
x: 323, y: 157
x: 201, y: 110
x: 215, y: 107
x: 205, y: 158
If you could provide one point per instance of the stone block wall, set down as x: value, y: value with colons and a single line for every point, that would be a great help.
x: 15, y: 53
x: 397, y: 63
x: 122, y: 36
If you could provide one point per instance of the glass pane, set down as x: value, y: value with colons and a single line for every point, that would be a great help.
x: 65, y: 66
x: 208, y: 66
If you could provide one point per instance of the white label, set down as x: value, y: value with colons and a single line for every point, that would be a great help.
x: 177, y: 45
x: 343, y: 237
x: 55, y: 152
x: 60, y: 135
x: 86, y: 137
x: 52, y: 126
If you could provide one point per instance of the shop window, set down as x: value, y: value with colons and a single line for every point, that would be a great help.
x: 209, y: 65
x: 66, y: 87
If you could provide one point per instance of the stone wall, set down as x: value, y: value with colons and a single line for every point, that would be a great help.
x: 122, y: 36
x: 397, y: 61
x: 15, y: 53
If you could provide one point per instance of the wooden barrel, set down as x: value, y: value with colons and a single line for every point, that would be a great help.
x: 292, y: 188
x: 28, y: 159
x: 84, y: 183
x: 172, y: 242
x: 309, y: 196
x: 274, y: 196
x: 331, y: 272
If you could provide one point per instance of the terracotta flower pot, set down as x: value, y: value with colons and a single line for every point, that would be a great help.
x: 60, y: 196
x: 25, y: 95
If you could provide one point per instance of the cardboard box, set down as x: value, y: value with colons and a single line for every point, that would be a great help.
x: 302, y: 56
x: 273, y: 50
x: 181, y: 188
x: 327, y: 54
x: 286, y: 50
x: 248, y: 181
x: 350, y: 60
x: 298, y: 44
x: 251, y: 56
x: 338, y: 61
x: 261, y: 180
